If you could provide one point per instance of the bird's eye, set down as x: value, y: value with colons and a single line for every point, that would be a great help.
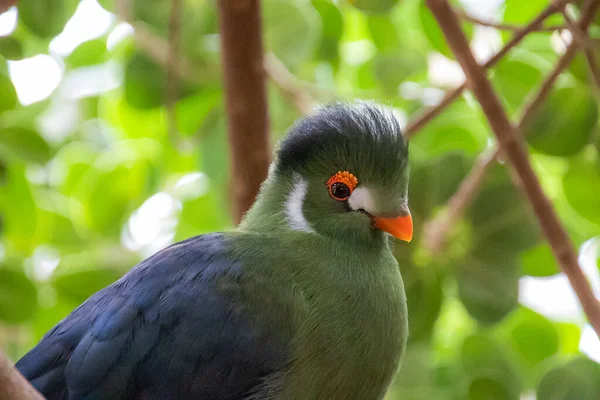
x: 340, y: 191
x: 341, y: 185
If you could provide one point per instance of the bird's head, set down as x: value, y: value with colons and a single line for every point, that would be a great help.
x: 345, y: 173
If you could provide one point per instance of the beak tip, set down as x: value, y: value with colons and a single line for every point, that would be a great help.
x: 399, y: 227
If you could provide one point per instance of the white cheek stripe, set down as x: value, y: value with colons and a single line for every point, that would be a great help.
x: 361, y: 199
x: 293, y: 207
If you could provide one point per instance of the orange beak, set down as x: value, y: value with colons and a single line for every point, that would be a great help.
x: 399, y: 227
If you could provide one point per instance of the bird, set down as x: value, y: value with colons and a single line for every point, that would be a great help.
x: 302, y: 300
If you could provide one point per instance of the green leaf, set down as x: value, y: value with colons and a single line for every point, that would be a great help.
x: 46, y: 18
x: 383, y: 32
x: 539, y: 261
x: 119, y: 181
x: 333, y: 28
x: 76, y: 158
x: 57, y: 228
x: 565, y: 122
x: 489, y: 289
x: 365, y: 78
x: 153, y: 12
x: 3, y: 66
x: 484, y: 388
x: 18, y: 296
x: 19, y: 209
x: 78, y: 286
x: 193, y: 111
x: 416, y: 380
x: 437, y: 180
x: 578, y: 379
x: 579, y: 68
x: 291, y: 30
x: 424, y: 299
x: 48, y: 316
x: 88, y: 53
x: 8, y: 100
x: 135, y: 122
x: 459, y: 127
x: 569, y: 337
x: 533, y: 337
x: 146, y: 83
x: 502, y: 226
x: 202, y: 215
x: 492, y: 373
x: 26, y: 144
x: 503, y: 222
x: 522, y: 12
x: 108, y: 5
x: 514, y: 78
x: 374, y: 6
x: 581, y: 185
x: 10, y: 48
x: 392, y: 69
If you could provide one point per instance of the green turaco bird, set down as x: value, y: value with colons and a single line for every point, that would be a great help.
x: 304, y: 300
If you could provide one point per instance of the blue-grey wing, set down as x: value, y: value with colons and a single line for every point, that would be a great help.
x: 176, y: 326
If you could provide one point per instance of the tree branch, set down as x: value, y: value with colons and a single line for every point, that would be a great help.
x: 504, y: 27
x: 13, y: 385
x: 512, y: 145
x: 436, y: 231
x: 6, y: 4
x: 246, y: 98
x: 420, y: 121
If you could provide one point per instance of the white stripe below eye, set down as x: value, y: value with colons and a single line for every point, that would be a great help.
x: 361, y: 199
x: 293, y: 207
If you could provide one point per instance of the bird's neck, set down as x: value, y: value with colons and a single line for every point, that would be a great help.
x: 268, y: 213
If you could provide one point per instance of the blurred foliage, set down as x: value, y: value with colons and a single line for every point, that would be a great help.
x: 91, y: 182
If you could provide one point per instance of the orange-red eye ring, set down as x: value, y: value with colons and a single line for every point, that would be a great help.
x: 341, y: 177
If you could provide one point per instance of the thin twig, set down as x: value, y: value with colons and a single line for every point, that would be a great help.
x: 287, y: 84
x: 512, y: 145
x: 589, y: 9
x: 419, y: 122
x: 436, y: 231
x: 173, y: 71
x: 585, y: 43
x: 504, y: 27
x: 244, y: 77
x: 594, y: 68
x: 13, y: 385
x: 582, y: 39
x: 158, y: 48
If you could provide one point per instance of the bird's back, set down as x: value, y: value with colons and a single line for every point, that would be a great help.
x: 178, y: 325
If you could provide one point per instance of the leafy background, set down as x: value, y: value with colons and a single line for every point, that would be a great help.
x: 91, y: 182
